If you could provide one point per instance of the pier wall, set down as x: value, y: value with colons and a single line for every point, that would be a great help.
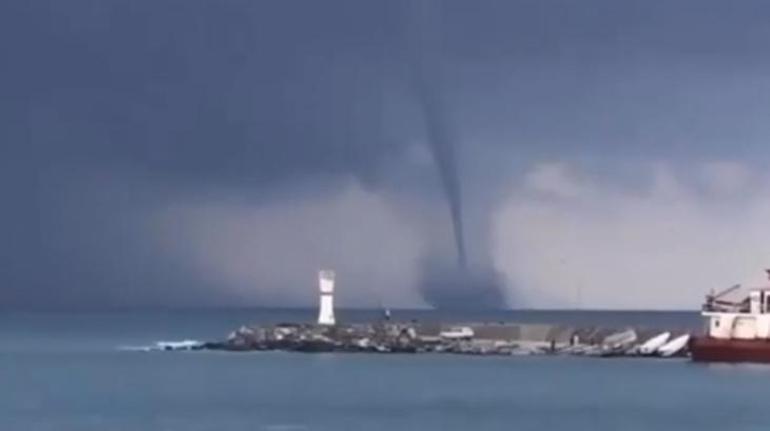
x: 543, y: 332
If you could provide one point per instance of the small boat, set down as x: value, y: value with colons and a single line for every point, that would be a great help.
x: 675, y: 346
x: 457, y: 333
x: 619, y: 340
x: 617, y: 344
x: 651, y: 346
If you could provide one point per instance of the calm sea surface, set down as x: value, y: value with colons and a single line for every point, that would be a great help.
x: 73, y: 372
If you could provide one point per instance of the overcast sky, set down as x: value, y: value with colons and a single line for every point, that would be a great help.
x: 172, y: 153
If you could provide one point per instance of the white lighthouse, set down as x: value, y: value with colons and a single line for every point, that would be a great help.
x: 326, y: 302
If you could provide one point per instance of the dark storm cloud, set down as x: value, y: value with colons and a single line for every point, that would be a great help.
x: 238, y: 90
x: 168, y: 95
x: 109, y: 108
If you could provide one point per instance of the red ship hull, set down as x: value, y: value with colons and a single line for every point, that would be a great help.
x: 705, y: 349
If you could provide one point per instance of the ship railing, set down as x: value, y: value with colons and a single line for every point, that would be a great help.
x: 725, y: 308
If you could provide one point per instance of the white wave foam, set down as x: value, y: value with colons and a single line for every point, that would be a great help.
x: 165, y: 346
x: 135, y: 348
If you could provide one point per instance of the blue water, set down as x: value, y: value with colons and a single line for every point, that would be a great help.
x: 67, y: 372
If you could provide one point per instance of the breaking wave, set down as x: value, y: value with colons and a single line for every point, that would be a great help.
x: 166, y: 346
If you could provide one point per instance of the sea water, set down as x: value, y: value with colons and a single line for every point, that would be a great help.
x: 78, y: 372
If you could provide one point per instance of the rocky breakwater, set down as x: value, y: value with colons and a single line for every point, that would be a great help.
x: 316, y: 338
x: 471, y: 338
